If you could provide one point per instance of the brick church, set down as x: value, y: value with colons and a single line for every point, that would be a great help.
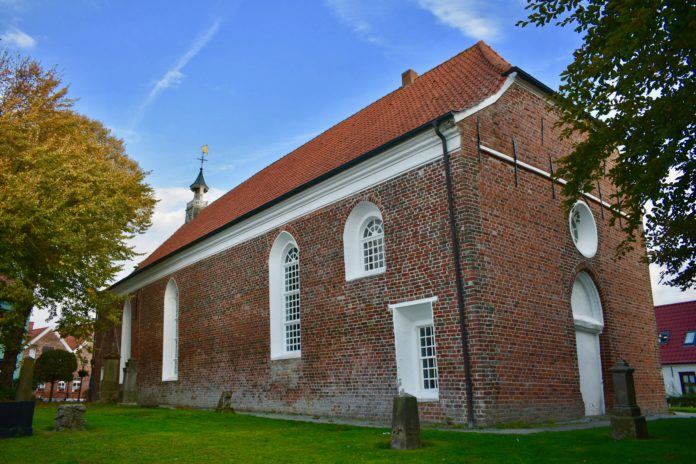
x: 420, y: 245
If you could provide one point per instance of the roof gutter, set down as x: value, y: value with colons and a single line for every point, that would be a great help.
x: 458, y: 275
x: 364, y: 157
x: 529, y: 78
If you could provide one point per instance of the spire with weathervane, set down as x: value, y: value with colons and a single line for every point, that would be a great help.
x: 199, y: 189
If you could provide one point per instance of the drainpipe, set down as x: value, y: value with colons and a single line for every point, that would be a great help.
x: 459, y: 277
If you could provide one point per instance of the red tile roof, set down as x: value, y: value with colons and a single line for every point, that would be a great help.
x: 678, y: 318
x: 455, y: 85
x: 34, y: 332
x: 72, y: 342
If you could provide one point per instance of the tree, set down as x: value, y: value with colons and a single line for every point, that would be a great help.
x: 632, y: 90
x: 70, y: 198
x: 55, y: 365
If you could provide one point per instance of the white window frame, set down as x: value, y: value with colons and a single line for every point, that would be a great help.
x: 61, y: 385
x: 353, y: 240
x: 170, y: 333
x: 421, y: 358
x: 76, y: 385
x: 276, y: 287
x: 408, y: 318
x: 126, y: 327
x: 584, y: 286
x: 583, y: 229
x: 291, y: 299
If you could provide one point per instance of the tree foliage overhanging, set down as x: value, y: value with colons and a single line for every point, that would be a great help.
x: 70, y: 198
x: 632, y: 90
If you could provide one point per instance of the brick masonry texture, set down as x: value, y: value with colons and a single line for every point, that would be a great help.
x: 519, y: 265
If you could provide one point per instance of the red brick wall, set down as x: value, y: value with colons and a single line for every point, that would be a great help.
x: 348, y: 363
x: 519, y: 265
x: 522, y: 271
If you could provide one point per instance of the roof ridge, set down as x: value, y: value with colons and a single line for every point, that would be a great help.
x: 347, y: 118
x: 459, y: 82
x: 492, y: 57
x: 690, y: 302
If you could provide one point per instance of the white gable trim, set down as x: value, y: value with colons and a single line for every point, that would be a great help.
x: 38, y: 337
x: 65, y: 344
x: 393, y: 162
x: 486, y: 101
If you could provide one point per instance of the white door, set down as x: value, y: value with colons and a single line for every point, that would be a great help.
x: 587, y: 314
x: 590, y: 366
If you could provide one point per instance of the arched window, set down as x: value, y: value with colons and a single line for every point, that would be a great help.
x: 125, y: 338
x: 291, y: 298
x: 363, y: 242
x: 170, y: 333
x: 284, y: 297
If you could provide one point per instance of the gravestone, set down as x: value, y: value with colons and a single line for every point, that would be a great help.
x: 626, y: 419
x: 109, y: 384
x: 130, y: 378
x: 225, y: 403
x: 25, y: 392
x: 405, y: 433
x: 70, y: 417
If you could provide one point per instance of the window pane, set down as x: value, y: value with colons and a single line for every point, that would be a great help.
x: 428, y: 357
x: 373, y: 245
x: 291, y: 299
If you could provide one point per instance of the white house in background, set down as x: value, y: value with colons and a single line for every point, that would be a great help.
x: 676, y: 326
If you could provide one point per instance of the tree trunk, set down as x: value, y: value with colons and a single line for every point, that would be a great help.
x: 12, y: 335
x: 50, y: 395
x: 7, y: 368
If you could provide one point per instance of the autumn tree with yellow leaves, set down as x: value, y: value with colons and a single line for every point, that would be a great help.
x: 70, y: 198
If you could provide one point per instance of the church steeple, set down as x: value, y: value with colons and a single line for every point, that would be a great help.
x: 199, y: 189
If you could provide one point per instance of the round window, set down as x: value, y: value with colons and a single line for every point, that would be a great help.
x: 583, y: 229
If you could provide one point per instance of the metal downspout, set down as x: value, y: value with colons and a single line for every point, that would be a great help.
x: 459, y: 278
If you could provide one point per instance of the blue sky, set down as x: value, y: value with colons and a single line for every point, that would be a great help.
x: 253, y: 80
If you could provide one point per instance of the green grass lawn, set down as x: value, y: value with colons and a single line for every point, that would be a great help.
x: 682, y: 409
x: 132, y: 434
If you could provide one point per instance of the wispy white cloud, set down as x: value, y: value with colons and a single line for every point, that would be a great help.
x: 169, y: 215
x: 13, y: 4
x: 15, y: 37
x: 274, y: 150
x: 174, y: 76
x: 467, y: 16
x: 358, y: 15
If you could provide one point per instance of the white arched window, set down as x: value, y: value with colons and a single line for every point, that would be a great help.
x: 284, y: 297
x: 363, y: 242
x: 125, y: 338
x: 170, y: 333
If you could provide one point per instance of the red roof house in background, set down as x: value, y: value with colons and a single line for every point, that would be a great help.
x: 676, y: 326
x: 41, y: 339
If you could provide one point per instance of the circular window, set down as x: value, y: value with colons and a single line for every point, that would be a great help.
x: 583, y: 229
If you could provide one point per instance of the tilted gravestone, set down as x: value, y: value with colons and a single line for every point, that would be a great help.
x: 626, y: 419
x: 225, y: 403
x: 25, y: 392
x: 130, y: 379
x: 405, y: 433
x: 70, y: 417
x: 109, y: 384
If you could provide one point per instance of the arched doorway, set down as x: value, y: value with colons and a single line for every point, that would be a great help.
x: 587, y: 316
